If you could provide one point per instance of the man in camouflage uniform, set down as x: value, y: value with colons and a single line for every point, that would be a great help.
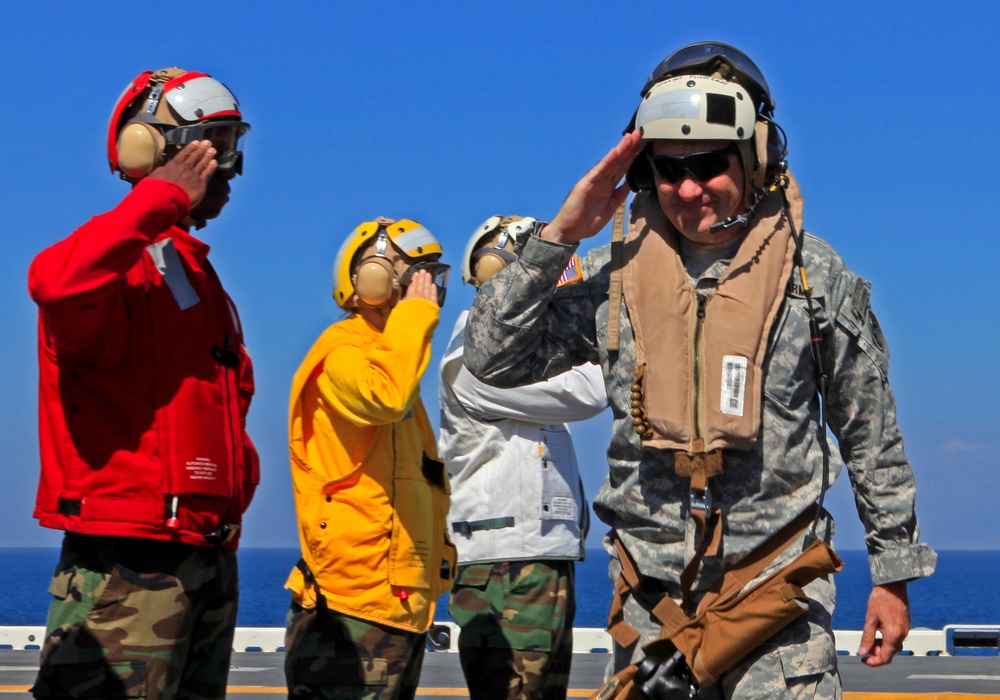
x: 518, y: 515
x: 710, y: 181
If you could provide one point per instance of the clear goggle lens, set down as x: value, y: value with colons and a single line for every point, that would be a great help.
x: 228, y: 138
x: 439, y: 273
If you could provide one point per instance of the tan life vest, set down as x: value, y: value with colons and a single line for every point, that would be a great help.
x: 699, y: 370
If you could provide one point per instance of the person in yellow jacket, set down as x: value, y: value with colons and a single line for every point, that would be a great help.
x: 370, y: 493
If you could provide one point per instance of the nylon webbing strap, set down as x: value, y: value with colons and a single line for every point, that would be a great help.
x: 69, y: 506
x: 666, y: 610
x: 670, y: 615
x: 751, y: 566
x: 310, y: 580
x: 709, y: 529
x: 615, y: 283
x: 466, y: 527
x: 621, y: 631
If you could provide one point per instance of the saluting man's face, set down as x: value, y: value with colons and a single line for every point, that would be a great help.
x: 693, y: 205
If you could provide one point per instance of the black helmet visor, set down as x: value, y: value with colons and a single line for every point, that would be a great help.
x: 702, y: 58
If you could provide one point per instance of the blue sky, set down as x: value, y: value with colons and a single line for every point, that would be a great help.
x: 449, y: 112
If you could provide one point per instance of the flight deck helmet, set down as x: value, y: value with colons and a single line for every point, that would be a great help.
x: 364, y: 271
x: 494, y: 245
x: 710, y: 90
x: 167, y: 109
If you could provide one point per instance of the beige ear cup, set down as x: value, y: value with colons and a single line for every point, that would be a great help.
x: 140, y: 148
x: 488, y: 265
x: 375, y: 281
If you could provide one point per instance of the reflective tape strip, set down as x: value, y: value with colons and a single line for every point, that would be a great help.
x: 676, y: 104
x: 168, y: 264
x: 409, y: 241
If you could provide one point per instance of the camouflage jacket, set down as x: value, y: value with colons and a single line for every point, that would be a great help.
x: 522, y: 330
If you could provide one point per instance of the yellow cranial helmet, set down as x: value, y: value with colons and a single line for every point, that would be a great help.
x: 371, y: 278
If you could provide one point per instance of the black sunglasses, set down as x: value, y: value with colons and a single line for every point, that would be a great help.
x: 702, y: 166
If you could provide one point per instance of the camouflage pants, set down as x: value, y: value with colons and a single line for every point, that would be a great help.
x: 135, y: 618
x: 334, y: 656
x: 517, y: 628
x: 797, y: 663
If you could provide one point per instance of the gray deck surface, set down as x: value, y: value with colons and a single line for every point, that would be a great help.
x: 259, y: 673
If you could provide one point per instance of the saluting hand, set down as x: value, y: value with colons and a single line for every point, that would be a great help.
x: 593, y: 200
x: 422, y: 286
x: 191, y: 168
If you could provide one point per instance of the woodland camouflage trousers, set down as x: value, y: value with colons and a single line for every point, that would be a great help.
x: 330, y: 655
x: 517, y: 628
x: 135, y: 618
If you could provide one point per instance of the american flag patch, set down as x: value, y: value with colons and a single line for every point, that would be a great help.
x: 572, y: 273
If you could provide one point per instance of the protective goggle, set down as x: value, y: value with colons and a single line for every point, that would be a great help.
x: 701, y: 166
x: 227, y: 137
x: 701, y: 58
x: 439, y: 273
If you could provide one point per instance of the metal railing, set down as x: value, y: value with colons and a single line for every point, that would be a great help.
x: 979, y: 640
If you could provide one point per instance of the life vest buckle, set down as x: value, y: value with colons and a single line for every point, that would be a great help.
x: 701, y: 499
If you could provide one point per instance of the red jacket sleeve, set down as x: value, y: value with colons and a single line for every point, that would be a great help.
x: 77, y: 282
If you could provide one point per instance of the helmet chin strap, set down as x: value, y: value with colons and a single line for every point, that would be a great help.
x: 193, y: 220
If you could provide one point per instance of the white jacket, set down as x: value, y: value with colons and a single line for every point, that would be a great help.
x: 516, y: 489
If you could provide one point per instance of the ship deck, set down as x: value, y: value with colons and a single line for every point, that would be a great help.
x: 959, y: 663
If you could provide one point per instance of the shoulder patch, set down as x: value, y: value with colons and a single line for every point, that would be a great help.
x: 860, y: 299
x: 572, y: 273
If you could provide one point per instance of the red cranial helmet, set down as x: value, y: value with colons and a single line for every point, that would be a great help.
x: 168, y: 108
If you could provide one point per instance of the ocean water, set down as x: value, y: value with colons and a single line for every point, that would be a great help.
x: 963, y: 591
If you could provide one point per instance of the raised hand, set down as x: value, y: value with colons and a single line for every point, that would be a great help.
x: 422, y: 286
x: 191, y: 168
x: 593, y: 200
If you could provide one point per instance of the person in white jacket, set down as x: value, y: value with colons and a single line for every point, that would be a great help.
x: 518, y: 513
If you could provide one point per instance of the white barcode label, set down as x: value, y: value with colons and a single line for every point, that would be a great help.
x: 734, y: 384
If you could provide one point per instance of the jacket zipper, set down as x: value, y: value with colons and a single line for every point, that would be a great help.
x: 701, y: 300
x: 231, y: 375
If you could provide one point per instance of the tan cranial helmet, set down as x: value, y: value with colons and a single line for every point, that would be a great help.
x: 493, y: 246
x: 698, y: 108
x: 711, y: 91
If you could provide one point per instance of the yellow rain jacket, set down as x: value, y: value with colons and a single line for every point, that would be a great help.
x: 370, y: 493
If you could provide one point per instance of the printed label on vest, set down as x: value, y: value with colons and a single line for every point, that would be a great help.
x: 202, y: 469
x: 734, y: 382
x: 562, y: 508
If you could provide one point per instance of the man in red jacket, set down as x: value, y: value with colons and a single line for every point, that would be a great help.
x: 144, y: 385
